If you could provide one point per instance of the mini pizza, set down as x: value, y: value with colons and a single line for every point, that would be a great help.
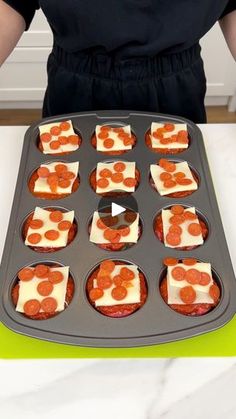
x: 113, y: 140
x: 41, y: 292
x: 54, y: 180
x: 58, y: 138
x: 189, y: 287
x: 110, y: 179
x: 116, y: 289
x: 167, y: 138
x: 180, y: 228
x: 171, y: 179
x: 48, y: 230
x: 115, y: 233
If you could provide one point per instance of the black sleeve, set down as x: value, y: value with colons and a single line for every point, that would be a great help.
x: 231, y: 6
x: 26, y: 9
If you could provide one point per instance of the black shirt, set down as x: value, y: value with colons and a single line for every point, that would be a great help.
x: 126, y: 27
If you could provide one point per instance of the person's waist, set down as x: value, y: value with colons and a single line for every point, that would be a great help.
x: 111, y: 66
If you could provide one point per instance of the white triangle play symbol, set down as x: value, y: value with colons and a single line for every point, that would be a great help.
x: 116, y: 209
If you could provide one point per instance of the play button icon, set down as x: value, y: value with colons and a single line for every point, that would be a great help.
x: 117, y: 210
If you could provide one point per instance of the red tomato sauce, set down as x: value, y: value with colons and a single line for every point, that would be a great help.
x: 158, y: 229
x: 114, y: 152
x: 187, y: 309
x: 119, y: 310
x: 93, y: 184
x: 181, y: 194
x: 53, y: 196
x: 161, y: 150
x: 44, y: 316
x: 71, y: 235
x: 40, y: 147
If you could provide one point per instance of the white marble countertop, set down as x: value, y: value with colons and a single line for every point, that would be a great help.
x: 151, y: 388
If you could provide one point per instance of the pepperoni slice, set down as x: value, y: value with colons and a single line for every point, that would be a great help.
x: 73, y: 139
x: 52, y: 235
x: 214, y: 292
x: 179, y: 175
x: 169, y: 127
x: 102, y: 183
x: 165, y: 140
x: 130, y: 182
x: 52, y: 178
x: 56, y: 216
x: 118, y: 130
x: 35, y: 224
x: 65, y: 126
x: 187, y: 294
x: 175, y: 229
x: 124, y: 230
x: 108, y: 143
x: 163, y: 163
x: 103, y: 135
x: 95, y: 294
x: 100, y: 224
x: 64, y: 225
x: 119, y: 293
x: 105, y: 128
x: 45, y: 288
x: 64, y: 183
x: 54, y: 145
x: 41, y: 271
x: 43, y: 172
x: 105, y: 173
x: 205, y: 279
x: 26, y: 274
x: 176, y: 219
x: 117, y: 280
x: 127, y: 274
x: 128, y: 140
x: 177, y: 209
x: 183, y: 181
x: 67, y: 175
x: 169, y: 183
x: 55, y: 130
x: 112, y: 235
x: 188, y: 215
x: 130, y: 216
x: 119, y: 166
x: 31, y: 307
x: 108, y: 265
x: 170, y: 261
x: 60, y: 168
x: 34, y: 238
x: 117, y: 177
x: 45, y: 137
x: 178, y: 273
x: 63, y: 140
x: 165, y: 176
x: 189, y: 261
x: 193, y: 276
x: 157, y: 135
x: 55, y: 277
x: 104, y: 282
x: 173, y: 239
x: 194, y: 229
x: 49, y: 305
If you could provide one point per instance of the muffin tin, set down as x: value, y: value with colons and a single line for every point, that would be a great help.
x: 155, y: 322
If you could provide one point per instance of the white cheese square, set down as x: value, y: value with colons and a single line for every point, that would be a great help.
x: 118, y: 143
x: 202, y: 291
x: 41, y: 184
x: 156, y: 142
x: 43, y: 215
x: 133, y: 296
x: 128, y: 172
x: 96, y: 234
x: 63, y: 148
x: 28, y: 290
x: 156, y: 170
x: 186, y: 238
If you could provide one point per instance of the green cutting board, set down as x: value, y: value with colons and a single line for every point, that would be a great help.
x: 221, y: 342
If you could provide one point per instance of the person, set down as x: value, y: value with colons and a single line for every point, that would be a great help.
x: 141, y: 55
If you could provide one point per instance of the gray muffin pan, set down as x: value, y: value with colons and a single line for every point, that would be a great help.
x: 80, y: 323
